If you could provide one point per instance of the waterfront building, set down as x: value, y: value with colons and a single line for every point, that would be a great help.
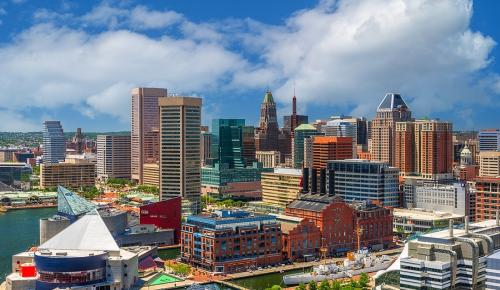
x: 410, y: 221
x: 281, y: 186
x: 449, y: 259
x: 84, y: 255
x: 294, y: 120
x: 24, y: 198
x: 392, y: 109
x: 362, y: 180
x: 266, y: 138
x: 326, y: 148
x: 145, y: 144
x: 269, y: 159
x: 180, y: 119
x: 487, y: 197
x: 151, y: 174
x: 300, y: 134
x: 14, y: 173
x: 339, y: 222
x: 301, y: 238
x: 489, y: 140
x: 113, y: 157
x: 73, y: 173
x: 231, y: 241
x: 165, y: 214
x: 54, y: 142
x: 489, y: 163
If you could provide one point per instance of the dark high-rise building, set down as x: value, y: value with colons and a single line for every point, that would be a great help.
x: 248, y: 152
x: 293, y: 121
x: 268, y: 131
x: 227, y: 142
x: 78, y: 141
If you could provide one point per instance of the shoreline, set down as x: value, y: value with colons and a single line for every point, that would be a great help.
x: 8, y: 207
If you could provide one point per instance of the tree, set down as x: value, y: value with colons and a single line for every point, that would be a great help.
x: 312, y: 285
x: 363, y: 280
x: 324, y: 285
x: 274, y: 287
x: 353, y: 284
x: 301, y: 286
x: 336, y: 285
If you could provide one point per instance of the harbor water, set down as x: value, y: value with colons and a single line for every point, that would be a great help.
x: 19, y: 230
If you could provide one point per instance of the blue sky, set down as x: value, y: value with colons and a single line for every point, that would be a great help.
x: 76, y: 61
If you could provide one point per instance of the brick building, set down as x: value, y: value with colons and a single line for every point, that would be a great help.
x: 301, y: 238
x: 487, y: 198
x: 231, y: 241
x: 339, y: 221
x: 165, y: 214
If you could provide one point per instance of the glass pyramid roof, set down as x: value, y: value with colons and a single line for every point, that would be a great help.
x: 71, y: 204
x: 392, y: 101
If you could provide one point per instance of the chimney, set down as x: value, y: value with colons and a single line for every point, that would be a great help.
x: 331, y: 182
x: 314, y: 181
x: 305, y: 180
x: 451, y: 228
x: 322, y: 181
x: 466, y: 224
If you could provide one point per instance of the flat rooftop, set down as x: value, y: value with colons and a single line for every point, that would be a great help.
x: 420, y: 214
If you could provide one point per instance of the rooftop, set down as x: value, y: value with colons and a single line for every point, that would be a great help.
x: 313, y: 202
x: 305, y: 127
x: 420, y: 214
x: 268, y: 97
x: 289, y: 171
x: 72, y: 204
x: 392, y: 101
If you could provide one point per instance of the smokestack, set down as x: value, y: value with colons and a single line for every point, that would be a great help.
x: 466, y: 224
x: 305, y: 180
x: 451, y: 228
x: 331, y: 182
x: 294, y: 105
x: 322, y: 181
x: 498, y: 218
x: 314, y: 181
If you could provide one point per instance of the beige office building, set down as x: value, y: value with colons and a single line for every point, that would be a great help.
x: 269, y: 159
x: 489, y: 163
x: 151, y: 174
x: 73, y: 173
x: 113, y: 157
x: 180, y: 119
x: 145, y: 129
x: 281, y: 187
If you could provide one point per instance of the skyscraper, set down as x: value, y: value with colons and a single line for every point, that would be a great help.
x: 392, y: 109
x: 268, y: 131
x: 330, y: 148
x: 424, y: 148
x: 489, y: 140
x: 300, y: 134
x: 54, y: 143
x: 180, y: 119
x: 113, y: 156
x: 145, y: 146
x: 78, y: 141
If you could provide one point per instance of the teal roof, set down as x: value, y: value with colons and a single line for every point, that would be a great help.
x: 72, y: 204
x: 268, y: 97
x: 305, y: 127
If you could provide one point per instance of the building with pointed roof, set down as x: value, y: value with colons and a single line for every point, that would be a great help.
x: 392, y: 109
x: 267, y: 137
x: 83, y: 254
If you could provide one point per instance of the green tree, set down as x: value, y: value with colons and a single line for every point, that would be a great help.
x: 274, y: 287
x: 324, y: 285
x: 336, y: 285
x: 363, y: 280
x: 301, y: 286
x: 312, y: 285
x: 353, y: 284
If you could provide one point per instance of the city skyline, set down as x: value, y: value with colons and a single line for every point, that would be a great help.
x: 80, y: 48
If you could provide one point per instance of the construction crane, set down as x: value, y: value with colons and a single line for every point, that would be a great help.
x: 323, y: 250
x: 359, y: 232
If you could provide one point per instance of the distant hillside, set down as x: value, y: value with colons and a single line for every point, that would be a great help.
x: 33, y: 139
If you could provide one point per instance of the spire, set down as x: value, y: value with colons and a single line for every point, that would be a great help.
x: 268, y: 97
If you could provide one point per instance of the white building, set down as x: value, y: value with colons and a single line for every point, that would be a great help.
x: 415, y: 220
x: 450, y: 198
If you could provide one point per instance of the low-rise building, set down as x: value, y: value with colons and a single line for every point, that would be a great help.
x: 301, y: 238
x: 73, y: 174
x: 231, y: 241
x: 410, y: 221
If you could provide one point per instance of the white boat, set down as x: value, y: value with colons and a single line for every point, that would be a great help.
x: 358, y: 263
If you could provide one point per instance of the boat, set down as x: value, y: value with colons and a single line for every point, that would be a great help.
x: 354, y: 264
x: 2, y: 209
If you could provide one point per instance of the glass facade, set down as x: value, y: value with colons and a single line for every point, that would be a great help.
x: 54, y: 142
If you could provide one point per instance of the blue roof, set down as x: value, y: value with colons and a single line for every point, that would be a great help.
x: 71, y: 204
x: 211, y: 221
